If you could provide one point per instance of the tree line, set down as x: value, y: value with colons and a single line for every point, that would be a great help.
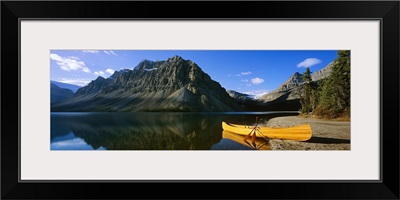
x: 329, y: 97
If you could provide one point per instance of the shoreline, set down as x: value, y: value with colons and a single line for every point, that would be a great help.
x: 327, y: 134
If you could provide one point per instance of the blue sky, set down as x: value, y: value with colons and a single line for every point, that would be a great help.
x: 253, y: 72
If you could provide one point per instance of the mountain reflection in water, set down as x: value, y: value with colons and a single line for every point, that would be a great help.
x: 146, y: 131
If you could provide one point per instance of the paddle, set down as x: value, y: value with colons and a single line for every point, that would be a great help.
x: 253, y: 140
x: 248, y: 135
x: 254, y: 134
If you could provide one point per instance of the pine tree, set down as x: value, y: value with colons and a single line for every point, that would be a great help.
x: 334, y: 96
x: 316, y: 93
x: 306, y: 96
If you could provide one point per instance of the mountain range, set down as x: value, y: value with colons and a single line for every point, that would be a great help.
x: 284, y: 98
x: 291, y: 87
x: 174, y: 85
x: 171, y: 85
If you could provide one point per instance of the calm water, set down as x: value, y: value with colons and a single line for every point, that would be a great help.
x: 148, y: 131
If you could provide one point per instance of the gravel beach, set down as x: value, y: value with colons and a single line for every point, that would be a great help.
x: 327, y: 134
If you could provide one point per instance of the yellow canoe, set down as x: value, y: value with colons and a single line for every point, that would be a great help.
x: 300, y: 133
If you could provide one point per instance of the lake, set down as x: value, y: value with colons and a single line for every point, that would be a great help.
x: 150, y: 130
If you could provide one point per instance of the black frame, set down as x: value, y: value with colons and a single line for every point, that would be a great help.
x: 386, y: 11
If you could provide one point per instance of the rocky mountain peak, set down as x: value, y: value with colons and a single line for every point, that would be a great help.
x: 156, y: 85
x: 176, y: 58
x: 293, y: 81
x: 145, y: 65
x: 297, y: 77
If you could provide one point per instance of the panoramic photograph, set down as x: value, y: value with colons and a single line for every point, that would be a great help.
x: 277, y: 100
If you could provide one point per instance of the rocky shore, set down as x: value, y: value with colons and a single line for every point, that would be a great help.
x: 327, y: 134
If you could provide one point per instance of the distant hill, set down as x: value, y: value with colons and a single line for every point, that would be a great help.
x: 73, y: 88
x: 59, y: 94
x: 171, y: 85
x: 240, y: 96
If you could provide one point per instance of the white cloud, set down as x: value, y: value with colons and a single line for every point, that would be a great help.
x: 110, y: 71
x: 73, y: 57
x: 110, y: 53
x: 99, y: 73
x: 244, y: 80
x: 245, y: 73
x: 69, y: 64
x: 90, y: 51
x: 79, y: 82
x: 309, y: 62
x: 257, y: 81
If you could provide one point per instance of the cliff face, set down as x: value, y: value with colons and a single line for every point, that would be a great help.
x: 323, y: 73
x: 172, y: 85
